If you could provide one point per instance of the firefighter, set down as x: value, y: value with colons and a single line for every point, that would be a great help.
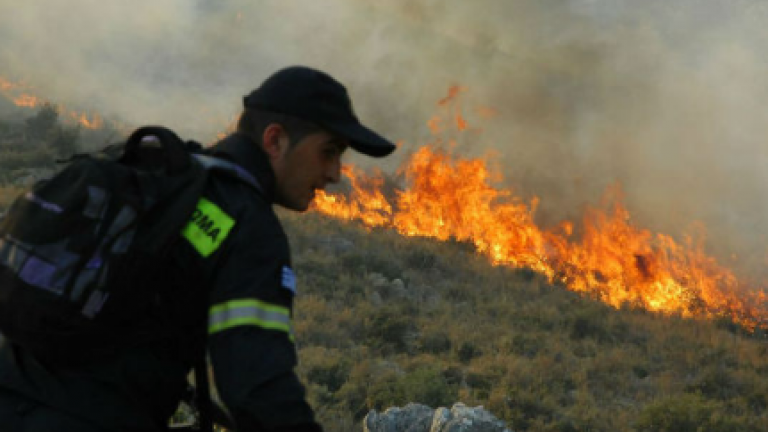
x: 238, y: 284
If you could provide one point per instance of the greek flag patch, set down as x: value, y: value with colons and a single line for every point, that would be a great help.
x: 289, y: 280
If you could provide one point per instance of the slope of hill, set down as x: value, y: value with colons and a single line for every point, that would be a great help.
x: 383, y: 320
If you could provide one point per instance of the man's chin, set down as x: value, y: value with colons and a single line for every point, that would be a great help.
x: 297, y: 207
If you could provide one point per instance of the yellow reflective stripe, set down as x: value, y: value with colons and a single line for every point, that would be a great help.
x: 249, y: 312
x: 208, y: 227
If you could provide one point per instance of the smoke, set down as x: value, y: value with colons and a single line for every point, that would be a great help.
x: 664, y: 97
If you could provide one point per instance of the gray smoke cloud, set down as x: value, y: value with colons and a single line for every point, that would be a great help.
x: 664, y: 97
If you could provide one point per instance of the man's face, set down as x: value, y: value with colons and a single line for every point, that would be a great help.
x: 306, y: 166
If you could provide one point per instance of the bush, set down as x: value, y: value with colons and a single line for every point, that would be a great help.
x: 41, y: 126
x: 717, y: 383
x: 36, y: 158
x: 526, y: 408
x: 65, y: 141
x: 524, y: 344
x: 425, y: 385
x: 365, y: 261
x: 389, y: 329
x: 467, y: 351
x: 435, y: 342
x: 590, y: 323
x: 686, y: 413
x: 331, y: 375
x: 428, y: 386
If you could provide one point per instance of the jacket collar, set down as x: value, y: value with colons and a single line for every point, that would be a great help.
x: 240, y: 149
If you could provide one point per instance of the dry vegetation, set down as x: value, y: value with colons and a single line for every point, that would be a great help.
x: 535, y: 355
x: 383, y: 320
x: 7, y: 195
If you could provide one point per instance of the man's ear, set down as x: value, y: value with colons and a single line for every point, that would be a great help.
x: 274, y: 140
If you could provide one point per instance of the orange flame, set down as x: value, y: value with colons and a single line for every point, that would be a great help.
x: 19, y: 95
x: 369, y: 204
x: 615, y: 261
x: 26, y: 100
x: 6, y: 85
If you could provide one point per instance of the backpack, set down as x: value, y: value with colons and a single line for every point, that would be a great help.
x: 77, y: 251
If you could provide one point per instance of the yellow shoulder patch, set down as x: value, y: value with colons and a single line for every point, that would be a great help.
x: 208, y: 227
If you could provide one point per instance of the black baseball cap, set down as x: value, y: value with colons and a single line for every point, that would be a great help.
x: 315, y: 96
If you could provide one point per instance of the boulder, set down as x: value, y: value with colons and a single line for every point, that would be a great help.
x: 335, y: 245
x: 420, y: 418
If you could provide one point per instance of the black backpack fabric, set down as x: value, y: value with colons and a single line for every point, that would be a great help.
x: 78, y: 251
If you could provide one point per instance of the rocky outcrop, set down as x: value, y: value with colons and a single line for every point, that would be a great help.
x: 420, y: 418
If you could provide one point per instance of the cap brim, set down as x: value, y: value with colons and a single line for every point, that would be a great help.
x: 363, y: 139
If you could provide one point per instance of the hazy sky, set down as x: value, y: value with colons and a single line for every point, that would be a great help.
x: 664, y: 96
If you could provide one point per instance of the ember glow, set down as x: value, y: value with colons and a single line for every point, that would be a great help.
x: 20, y: 94
x: 450, y: 197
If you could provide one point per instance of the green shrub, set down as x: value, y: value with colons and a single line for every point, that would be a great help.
x: 42, y: 125
x: 365, y: 261
x: 467, y: 351
x: 480, y: 383
x: 590, y: 323
x: 428, y: 386
x: 65, y: 141
x: 425, y: 385
x: 36, y: 157
x: 388, y: 329
x: 435, y: 342
x: 331, y: 376
x: 525, y: 408
x: 716, y: 382
x: 524, y: 344
x: 385, y: 392
x: 686, y: 413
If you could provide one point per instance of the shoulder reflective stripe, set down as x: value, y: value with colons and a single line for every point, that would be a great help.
x: 210, y: 163
x: 208, y: 227
x: 249, y: 312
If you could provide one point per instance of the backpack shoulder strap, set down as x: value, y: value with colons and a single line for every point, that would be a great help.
x: 211, y: 163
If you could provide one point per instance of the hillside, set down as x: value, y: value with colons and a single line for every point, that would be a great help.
x: 384, y: 320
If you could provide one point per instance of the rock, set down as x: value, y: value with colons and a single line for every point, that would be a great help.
x: 397, y: 289
x: 441, y: 417
x: 466, y: 419
x: 420, y: 418
x: 412, y: 418
x: 389, y: 290
x: 375, y: 299
x: 432, y: 301
x: 378, y: 280
x: 335, y: 245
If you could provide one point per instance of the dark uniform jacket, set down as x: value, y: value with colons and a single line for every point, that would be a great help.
x: 235, y: 249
